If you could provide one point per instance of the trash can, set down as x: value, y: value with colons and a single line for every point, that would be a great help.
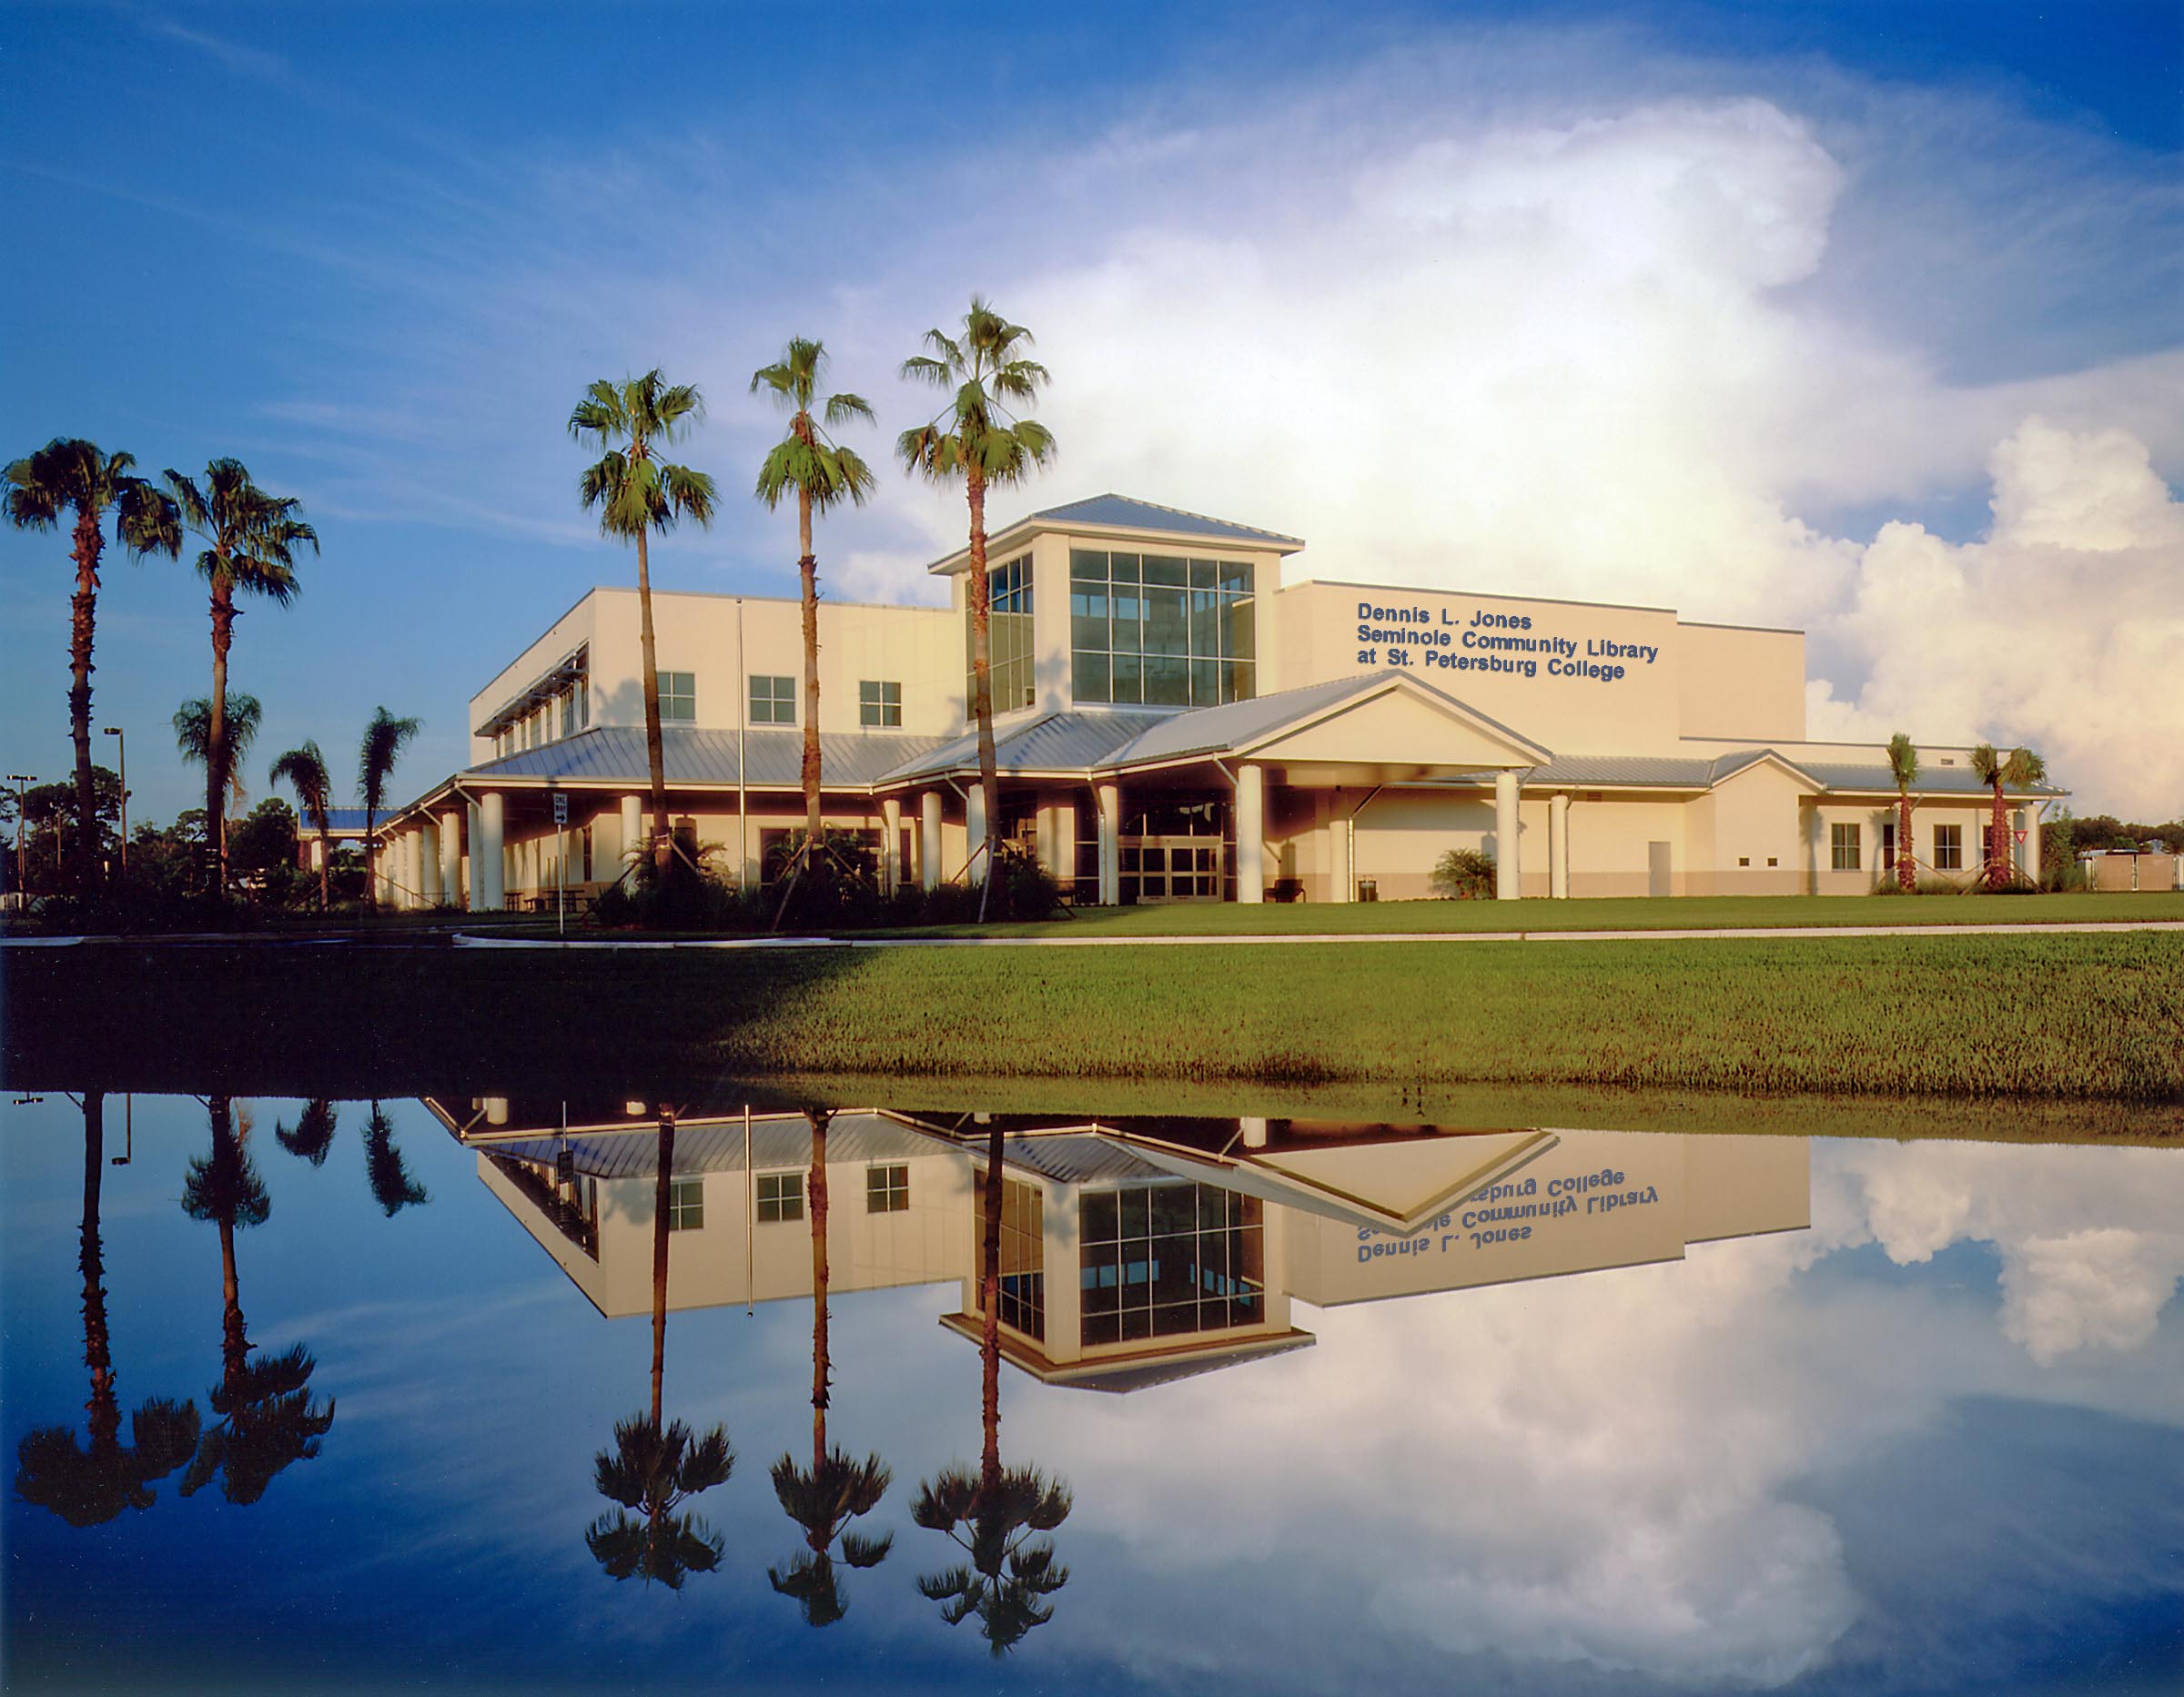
x: 1368, y: 889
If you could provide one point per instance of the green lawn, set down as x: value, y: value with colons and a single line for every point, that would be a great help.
x: 1698, y: 913
x: 2083, y: 1017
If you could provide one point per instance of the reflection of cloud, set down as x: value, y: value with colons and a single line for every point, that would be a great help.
x: 2091, y: 1240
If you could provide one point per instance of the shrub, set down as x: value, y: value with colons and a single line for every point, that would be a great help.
x: 1463, y: 875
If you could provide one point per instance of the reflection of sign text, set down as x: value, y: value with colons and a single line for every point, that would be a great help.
x: 1511, y: 1212
x: 1491, y: 641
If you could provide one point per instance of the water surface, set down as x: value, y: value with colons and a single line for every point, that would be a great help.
x: 1824, y: 1416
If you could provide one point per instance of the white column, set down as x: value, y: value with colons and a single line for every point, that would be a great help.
x: 450, y: 857
x: 488, y: 867
x: 428, y: 842
x: 1507, y: 873
x: 318, y: 851
x: 633, y: 828
x: 409, y: 863
x: 974, y: 812
x: 1342, y: 856
x: 1062, y: 835
x: 928, y: 839
x: 1110, y: 843
x: 1254, y: 1131
x: 2029, y: 863
x: 1558, y: 846
x: 891, y: 840
x: 1250, y: 832
x: 475, y: 870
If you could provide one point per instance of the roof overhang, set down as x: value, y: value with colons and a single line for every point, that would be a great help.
x: 541, y: 689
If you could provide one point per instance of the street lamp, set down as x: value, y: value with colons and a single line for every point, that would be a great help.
x: 121, y: 749
x: 21, y: 780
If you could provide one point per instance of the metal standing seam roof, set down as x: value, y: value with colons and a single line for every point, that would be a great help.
x: 1234, y: 725
x: 616, y: 754
x: 1076, y: 1157
x: 717, y: 1146
x: 1062, y: 740
x: 1128, y: 512
x: 1931, y: 781
x: 1832, y: 777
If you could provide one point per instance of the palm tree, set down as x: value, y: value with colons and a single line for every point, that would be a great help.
x: 69, y: 474
x: 637, y: 493
x: 392, y: 1186
x: 268, y: 1419
x: 655, y: 1468
x: 193, y: 738
x: 1903, y: 764
x: 314, y: 1133
x: 835, y: 1489
x: 823, y: 473
x: 251, y: 539
x: 992, y: 1514
x: 974, y: 437
x: 2019, y: 769
x: 86, y: 1487
x: 305, y: 768
x: 382, y: 746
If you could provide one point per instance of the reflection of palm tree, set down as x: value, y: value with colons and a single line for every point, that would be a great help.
x: 834, y: 1489
x: 314, y: 1133
x: 652, y: 1468
x: 994, y: 1514
x: 267, y: 1417
x: 88, y: 1486
x: 392, y: 1186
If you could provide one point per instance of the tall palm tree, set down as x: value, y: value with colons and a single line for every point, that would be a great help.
x: 1903, y: 766
x: 86, y: 1487
x: 392, y: 1186
x: 314, y: 1133
x: 823, y: 473
x: 305, y: 768
x: 193, y: 739
x: 992, y: 1514
x: 2019, y: 769
x: 974, y: 437
x: 69, y: 474
x: 835, y: 1489
x: 267, y: 1417
x: 637, y: 493
x: 382, y: 746
x: 251, y: 540
x: 655, y: 1468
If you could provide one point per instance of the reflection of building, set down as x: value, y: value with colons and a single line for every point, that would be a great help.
x: 1175, y: 723
x: 1187, y: 1239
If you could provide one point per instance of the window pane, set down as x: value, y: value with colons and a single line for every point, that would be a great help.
x: 1236, y: 577
x: 1089, y: 565
x: 1088, y: 677
x: 1122, y: 568
x: 1167, y: 681
x: 1165, y: 569
x: 1166, y: 629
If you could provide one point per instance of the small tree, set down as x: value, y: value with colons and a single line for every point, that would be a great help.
x: 1903, y: 766
x: 2019, y: 769
x: 381, y: 747
x: 1463, y: 875
x: 305, y: 768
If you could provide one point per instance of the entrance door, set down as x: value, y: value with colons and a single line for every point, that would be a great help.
x: 1174, y: 869
x: 1657, y: 869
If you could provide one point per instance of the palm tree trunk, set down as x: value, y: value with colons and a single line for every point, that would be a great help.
x: 234, y: 1343
x: 807, y: 570
x: 326, y: 861
x: 104, y: 1412
x: 371, y: 862
x: 83, y: 611
x: 1997, y: 833
x: 655, y: 753
x: 982, y: 680
x: 821, y: 1365
x: 1905, y: 878
x: 989, y: 1297
x: 662, y: 1193
x: 216, y: 742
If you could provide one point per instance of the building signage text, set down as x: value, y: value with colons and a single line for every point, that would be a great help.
x: 1509, y: 1213
x: 1491, y: 641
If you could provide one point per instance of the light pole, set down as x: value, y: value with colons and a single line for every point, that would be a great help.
x: 121, y: 753
x: 21, y: 780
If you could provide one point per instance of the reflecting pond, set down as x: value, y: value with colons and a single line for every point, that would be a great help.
x: 561, y: 1393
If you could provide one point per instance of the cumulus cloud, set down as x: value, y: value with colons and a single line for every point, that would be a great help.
x: 2063, y: 631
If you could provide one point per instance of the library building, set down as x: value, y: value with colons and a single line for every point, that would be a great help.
x: 1183, y: 713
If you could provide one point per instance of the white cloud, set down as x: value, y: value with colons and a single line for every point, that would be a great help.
x: 2064, y: 631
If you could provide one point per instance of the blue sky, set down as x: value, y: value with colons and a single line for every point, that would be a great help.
x: 377, y: 251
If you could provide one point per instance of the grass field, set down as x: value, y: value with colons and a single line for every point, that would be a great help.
x: 2065, y: 1017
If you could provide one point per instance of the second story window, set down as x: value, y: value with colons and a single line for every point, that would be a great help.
x: 879, y: 703
x: 773, y: 701
x: 678, y: 697
x: 1009, y: 638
